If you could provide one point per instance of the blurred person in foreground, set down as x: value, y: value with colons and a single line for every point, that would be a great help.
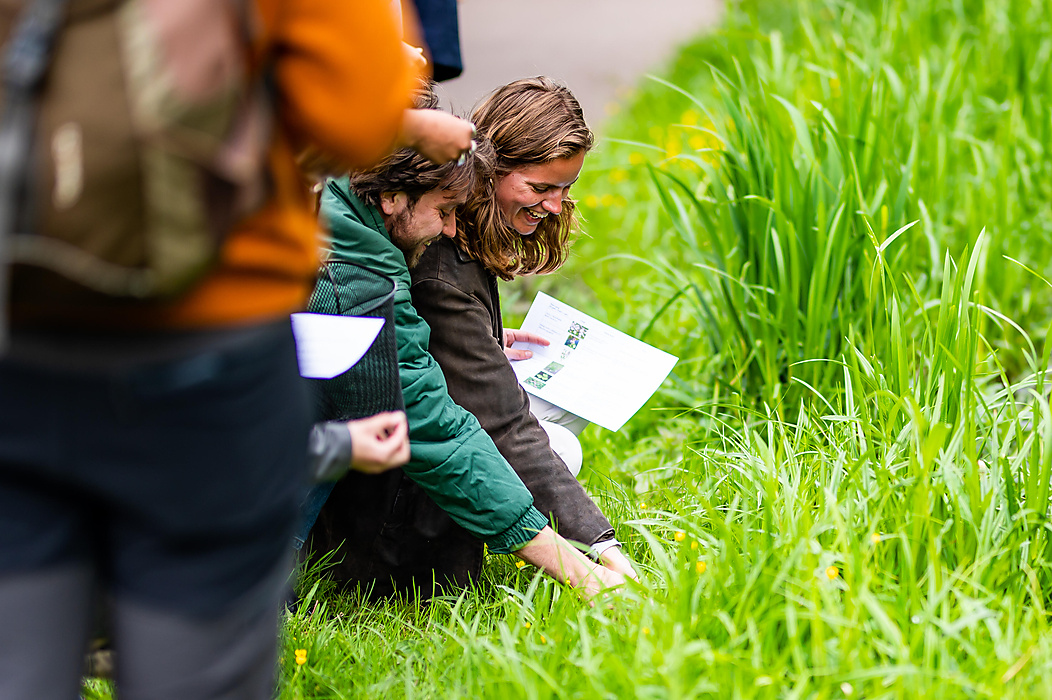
x: 518, y: 221
x: 157, y: 453
x: 384, y: 219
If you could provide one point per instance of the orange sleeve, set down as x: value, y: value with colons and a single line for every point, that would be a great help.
x: 343, y: 77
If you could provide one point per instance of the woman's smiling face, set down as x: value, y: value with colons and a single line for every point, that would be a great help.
x: 526, y: 195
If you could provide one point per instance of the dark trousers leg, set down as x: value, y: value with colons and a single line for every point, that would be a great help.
x: 44, y: 621
x: 161, y: 655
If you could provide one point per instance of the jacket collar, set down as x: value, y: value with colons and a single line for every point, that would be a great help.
x: 461, y: 255
x: 355, y: 233
x: 365, y: 213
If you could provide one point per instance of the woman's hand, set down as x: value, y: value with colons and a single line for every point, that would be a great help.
x: 513, y: 336
x: 379, y: 442
x: 614, y: 560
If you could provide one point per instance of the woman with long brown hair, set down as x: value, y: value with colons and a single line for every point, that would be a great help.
x: 517, y: 222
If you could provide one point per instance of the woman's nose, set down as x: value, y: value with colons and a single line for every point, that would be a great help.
x: 553, y: 203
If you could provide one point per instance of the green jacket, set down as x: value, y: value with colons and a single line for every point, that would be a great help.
x: 453, y: 459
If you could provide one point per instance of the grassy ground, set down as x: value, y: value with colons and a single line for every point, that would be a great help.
x: 839, y: 215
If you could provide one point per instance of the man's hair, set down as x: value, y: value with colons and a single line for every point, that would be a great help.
x: 407, y: 171
x: 529, y: 122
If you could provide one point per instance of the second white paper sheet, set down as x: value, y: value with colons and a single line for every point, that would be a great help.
x: 327, y: 346
x: 590, y: 368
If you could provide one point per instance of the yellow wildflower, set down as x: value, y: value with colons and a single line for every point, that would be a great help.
x: 606, y: 200
x: 875, y: 538
x: 301, y: 657
x: 700, y: 567
x: 618, y: 175
x: 543, y: 639
x: 655, y: 133
x: 646, y: 630
x: 694, y: 544
x: 832, y: 572
x: 591, y: 201
x: 636, y: 158
x: 642, y: 506
x: 689, y: 118
x: 519, y: 563
x: 698, y: 142
x: 527, y: 625
x: 680, y: 536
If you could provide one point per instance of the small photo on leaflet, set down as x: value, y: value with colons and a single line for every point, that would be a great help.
x: 542, y: 376
x: 553, y: 368
x: 578, y: 331
x: 571, y: 342
x: 535, y: 383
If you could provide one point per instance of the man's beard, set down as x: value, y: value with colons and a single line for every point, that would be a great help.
x: 397, y: 228
x: 412, y: 257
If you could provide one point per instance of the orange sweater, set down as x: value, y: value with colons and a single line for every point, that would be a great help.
x: 343, y: 81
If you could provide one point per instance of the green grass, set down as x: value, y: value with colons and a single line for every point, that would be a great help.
x: 815, y: 210
x: 839, y: 216
x: 760, y: 202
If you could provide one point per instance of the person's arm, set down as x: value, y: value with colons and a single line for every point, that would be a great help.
x: 608, y: 551
x: 564, y: 562
x: 438, y: 136
x: 480, y: 378
x: 370, y: 445
x: 452, y: 457
x: 343, y: 77
x: 329, y: 451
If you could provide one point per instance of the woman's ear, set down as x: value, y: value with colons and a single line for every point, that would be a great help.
x: 393, y: 203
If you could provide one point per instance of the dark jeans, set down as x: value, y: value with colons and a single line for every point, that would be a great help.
x: 309, y: 510
x: 172, y: 486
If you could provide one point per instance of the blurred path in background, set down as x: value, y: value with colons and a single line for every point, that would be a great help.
x: 599, y: 48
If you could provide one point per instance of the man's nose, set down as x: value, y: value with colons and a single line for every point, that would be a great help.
x: 449, y: 228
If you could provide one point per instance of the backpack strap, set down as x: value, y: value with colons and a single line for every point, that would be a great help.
x: 25, y: 64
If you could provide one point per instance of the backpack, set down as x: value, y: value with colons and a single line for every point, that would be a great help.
x: 132, y: 138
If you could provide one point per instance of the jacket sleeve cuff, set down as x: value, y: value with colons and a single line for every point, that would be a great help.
x: 522, y: 531
x: 606, y: 535
x: 329, y: 448
x: 599, y: 547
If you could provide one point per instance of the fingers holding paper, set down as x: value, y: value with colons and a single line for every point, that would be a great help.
x: 512, y: 336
